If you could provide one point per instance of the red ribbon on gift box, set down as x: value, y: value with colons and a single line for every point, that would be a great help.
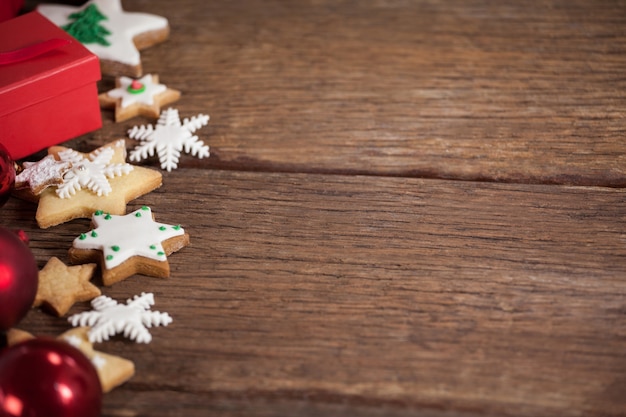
x: 31, y: 51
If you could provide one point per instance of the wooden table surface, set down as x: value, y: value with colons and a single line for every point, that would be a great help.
x: 410, y: 208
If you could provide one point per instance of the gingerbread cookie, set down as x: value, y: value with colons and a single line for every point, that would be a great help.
x: 144, y: 97
x: 61, y: 286
x: 127, y: 245
x: 114, y: 35
x: 37, y: 176
x: 98, y: 175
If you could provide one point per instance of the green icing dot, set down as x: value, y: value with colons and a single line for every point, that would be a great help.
x: 98, y: 212
x: 162, y: 228
x: 109, y: 257
x: 145, y: 208
x: 161, y: 253
x: 138, y: 214
x: 177, y: 227
x: 94, y: 234
x: 82, y: 236
x: 107, y: 217
x: 153, y: 247
x: 115, y: 248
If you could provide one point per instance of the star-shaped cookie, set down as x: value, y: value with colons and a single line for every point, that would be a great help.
x: 144, y: 97
x: 112, y: 370
x: 127, y: 245
x: 41, y: 174
x: 60, y: 286
x: 54, y: 210
x: 123, y: 33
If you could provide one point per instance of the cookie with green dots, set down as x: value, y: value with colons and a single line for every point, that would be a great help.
x: 128, y: 245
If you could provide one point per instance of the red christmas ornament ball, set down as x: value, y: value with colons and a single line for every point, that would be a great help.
x: 48, y: 378
x: 7, y: 174
x: 19, y: 278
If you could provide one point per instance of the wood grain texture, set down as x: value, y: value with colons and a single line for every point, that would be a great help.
x: 425, y: 286
x: 497, y: 91
x: 348, y: 295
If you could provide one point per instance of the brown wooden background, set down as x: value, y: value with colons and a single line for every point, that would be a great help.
x: 411, y: 208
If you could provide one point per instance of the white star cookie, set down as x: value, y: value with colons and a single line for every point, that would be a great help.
x: 127, y: 245
x: 121, y: 34
x: 144, y: 97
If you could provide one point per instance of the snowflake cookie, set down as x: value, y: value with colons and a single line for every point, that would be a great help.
x: 127, y: 245
x: 131, y: 319
x: 144, y: 96
x: 168, y: 138
x: 90, y: 172
x: 54, y: 210
x: 42, y: 174
x: 114, y: 35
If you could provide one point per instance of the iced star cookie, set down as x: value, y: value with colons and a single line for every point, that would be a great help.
x: 144, y: 97
x: 114, y: 35
x: 56, y: 208
x: 128, y: 245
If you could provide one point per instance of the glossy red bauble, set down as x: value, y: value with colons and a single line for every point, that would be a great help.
x: 7, y: 174
x: 18, y: 279
x: 48, y: 378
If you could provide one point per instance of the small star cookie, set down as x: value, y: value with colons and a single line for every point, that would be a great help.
x: 144, y: 97
x: 54, y: 210
x: 127, y: 245
x: 112, y: 370
x: 115, y: 36
x: 60, y: 286
x: 42, y: 174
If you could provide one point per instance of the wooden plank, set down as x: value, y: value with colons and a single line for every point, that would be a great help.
x: 496, y: 91
x: 349, y: 295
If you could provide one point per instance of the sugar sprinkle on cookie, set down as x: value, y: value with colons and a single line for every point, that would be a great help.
x: 41, y: 174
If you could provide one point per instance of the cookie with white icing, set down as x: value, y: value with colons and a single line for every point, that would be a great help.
x: 113, y: 34
x: 138, y: 97
x: 71, y: 201
x: 128, y: 245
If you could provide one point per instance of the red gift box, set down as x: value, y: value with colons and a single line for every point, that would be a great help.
x: 50, y: 97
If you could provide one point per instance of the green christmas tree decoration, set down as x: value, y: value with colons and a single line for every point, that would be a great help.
x: 86, y: 27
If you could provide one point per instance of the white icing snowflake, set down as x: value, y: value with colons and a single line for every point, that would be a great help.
x: 90, y: 172
x: 110, y: 318
x: 168, y: 138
